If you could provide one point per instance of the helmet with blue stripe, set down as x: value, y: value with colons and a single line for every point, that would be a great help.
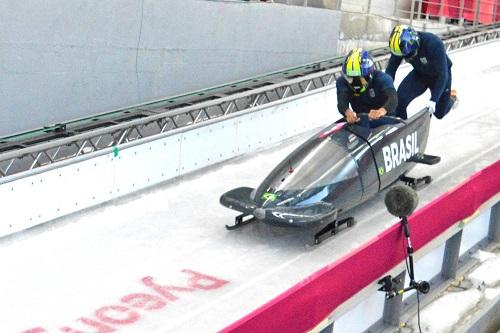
x: 358, y: 69
x: 404, y: 41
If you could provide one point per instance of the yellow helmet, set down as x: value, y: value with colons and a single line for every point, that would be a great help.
x: 404, y: 41
x: 357, y: 69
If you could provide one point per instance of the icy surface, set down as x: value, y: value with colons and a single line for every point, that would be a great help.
x: 85, y: 267
x: 491, y: 293
x: 483, y: 255
x: 444, y: 313
x: 488, y: 273
x: 456, y: 308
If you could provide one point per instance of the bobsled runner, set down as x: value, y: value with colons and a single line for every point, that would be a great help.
x: 334, y: 171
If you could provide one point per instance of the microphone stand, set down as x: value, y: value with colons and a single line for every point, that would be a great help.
x: 387, y: 281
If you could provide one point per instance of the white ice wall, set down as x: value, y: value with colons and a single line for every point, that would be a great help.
x: 63, y: 188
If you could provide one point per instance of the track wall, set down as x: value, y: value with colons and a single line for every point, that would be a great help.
x: 115, y: 172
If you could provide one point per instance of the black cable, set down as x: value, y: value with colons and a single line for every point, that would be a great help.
x: 406, y: 259
x: 418, y: 312
x: 412, y: 278
x: 137, y: 52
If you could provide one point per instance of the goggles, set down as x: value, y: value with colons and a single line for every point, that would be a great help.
x: 358, y: 84
x: 404, y: 42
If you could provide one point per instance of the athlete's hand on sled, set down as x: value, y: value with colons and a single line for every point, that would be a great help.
x: 375, y: 114
x: 431, y: 106
x: 351, y: 116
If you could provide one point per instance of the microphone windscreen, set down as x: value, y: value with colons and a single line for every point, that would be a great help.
x: 401, y: 200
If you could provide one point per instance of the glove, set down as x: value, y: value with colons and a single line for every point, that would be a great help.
x: 431, y: 106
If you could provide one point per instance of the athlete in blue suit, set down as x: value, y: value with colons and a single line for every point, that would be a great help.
x: 431, y: 70
x: 366, y: 90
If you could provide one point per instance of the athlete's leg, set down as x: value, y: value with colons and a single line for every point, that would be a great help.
x: 445, y: 103
x: 410, y: 88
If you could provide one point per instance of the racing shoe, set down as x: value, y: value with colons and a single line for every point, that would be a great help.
x: 454, y: 98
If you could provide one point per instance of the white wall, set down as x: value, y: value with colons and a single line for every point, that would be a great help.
x: 63, y: 188
x: 62, y: 60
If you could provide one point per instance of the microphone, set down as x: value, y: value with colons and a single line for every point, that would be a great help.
x: 401, y: 200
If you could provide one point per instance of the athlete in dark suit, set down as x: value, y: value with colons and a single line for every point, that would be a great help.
x: 431, y: 70
x: 363, y: 90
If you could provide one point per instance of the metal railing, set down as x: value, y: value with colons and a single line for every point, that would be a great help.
x: 28, y: 151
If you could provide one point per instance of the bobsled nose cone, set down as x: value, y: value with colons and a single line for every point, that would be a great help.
x: 259, y: 213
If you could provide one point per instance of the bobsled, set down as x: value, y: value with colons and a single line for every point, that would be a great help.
x: 335, y: 170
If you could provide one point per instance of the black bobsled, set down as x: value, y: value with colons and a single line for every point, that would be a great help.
x: 335, y: 170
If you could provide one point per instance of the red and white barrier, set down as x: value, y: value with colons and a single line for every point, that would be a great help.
x: 306, y: 304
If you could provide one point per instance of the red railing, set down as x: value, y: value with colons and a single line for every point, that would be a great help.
x: 474, y: 11
x: 309, y: 302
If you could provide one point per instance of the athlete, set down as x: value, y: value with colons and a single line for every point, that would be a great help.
x: 365, y: 94
x: 431, y: 70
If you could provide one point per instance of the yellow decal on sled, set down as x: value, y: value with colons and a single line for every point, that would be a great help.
x: 269, y: 196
